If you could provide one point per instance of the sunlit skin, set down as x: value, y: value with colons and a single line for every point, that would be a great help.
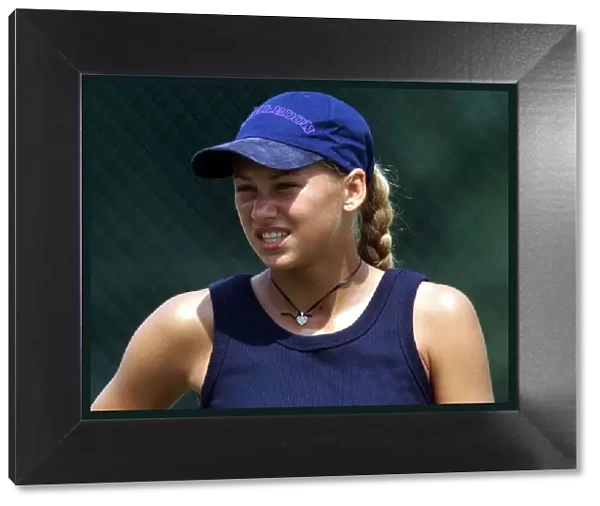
x: 308, y: 203
x: 170, y: 351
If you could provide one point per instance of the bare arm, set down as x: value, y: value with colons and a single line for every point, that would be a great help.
x: 449, y: 335
x: 167, y: 355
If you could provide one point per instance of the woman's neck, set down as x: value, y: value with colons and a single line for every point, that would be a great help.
x: 304, y: 287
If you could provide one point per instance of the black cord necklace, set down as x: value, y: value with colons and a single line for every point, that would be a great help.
x: 302, y: 316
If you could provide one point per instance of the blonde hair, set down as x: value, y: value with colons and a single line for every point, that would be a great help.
x: 371, y: 227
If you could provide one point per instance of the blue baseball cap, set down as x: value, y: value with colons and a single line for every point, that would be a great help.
x: 293, y: 130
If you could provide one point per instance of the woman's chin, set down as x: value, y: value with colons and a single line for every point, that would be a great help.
x: 279, y: 262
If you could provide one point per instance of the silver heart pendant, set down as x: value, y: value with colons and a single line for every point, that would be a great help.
x: 301, y: 319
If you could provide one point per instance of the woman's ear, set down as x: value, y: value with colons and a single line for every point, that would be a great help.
x: 355, y: 188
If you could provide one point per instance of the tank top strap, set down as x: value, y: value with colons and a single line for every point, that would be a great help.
x: 229, y: 311
x: 403, y: 301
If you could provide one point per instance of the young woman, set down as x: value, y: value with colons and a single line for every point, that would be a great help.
x: 330, y: 321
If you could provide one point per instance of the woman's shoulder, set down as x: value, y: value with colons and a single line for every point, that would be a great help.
x: 444, y: 316
x: 443, y: 300
x: 184, y: 306
x: 431, y: 298
x: 448, y: 333
x: 191, y: 313
x: 185, y: 316
x: 440, y: 306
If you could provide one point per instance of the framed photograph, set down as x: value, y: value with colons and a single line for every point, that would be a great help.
x: 153, y: 187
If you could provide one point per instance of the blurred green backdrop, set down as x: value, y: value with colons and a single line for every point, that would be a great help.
x: 151, y: 230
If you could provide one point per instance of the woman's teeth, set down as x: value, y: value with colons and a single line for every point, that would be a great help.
x: 273, y: 236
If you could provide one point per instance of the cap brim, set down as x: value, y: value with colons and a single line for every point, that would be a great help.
x: 217, y: 161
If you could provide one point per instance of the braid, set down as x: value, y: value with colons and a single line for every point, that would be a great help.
x: 371, y: 228
x: 374, y: 220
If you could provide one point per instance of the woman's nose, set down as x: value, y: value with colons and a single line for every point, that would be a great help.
x: 264, y: 207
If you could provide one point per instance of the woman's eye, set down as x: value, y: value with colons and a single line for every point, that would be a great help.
x: 240, y: 189
x: 284, y: 186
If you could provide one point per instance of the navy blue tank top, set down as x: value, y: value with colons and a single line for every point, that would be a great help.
x: 257, y: 363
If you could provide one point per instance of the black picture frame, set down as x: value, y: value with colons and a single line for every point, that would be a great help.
x: 50, y: 440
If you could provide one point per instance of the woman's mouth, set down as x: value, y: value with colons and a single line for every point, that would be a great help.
x: 272, y: 239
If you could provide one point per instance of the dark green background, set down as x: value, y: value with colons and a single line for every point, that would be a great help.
x: 152, y: 231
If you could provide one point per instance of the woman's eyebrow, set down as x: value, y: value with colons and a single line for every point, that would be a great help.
x: 276, y: 175
x: 283, y: 173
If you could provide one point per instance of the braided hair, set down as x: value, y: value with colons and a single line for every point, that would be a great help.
x: 371, y: 228
x: 373, y: 223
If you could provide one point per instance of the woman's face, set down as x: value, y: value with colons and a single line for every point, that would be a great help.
x: 290, y: 218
